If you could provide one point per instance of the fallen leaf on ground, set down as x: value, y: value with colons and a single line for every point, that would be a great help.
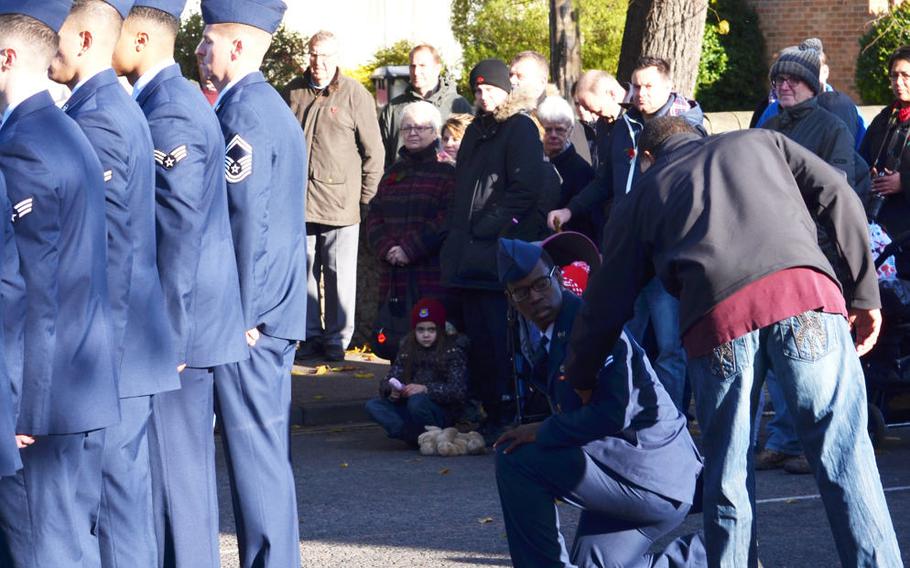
x: 344, y: 464
x: 363, y: 375
x: 318, y: 397
x: 485, y: 520
x: 444, y: 471
x: 343, y: 369
x: 367, y: 357
x: 298, y: 373
x: 321, y: 370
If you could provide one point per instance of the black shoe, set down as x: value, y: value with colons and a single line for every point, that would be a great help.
x: 307, y: 351
x: 334, y: 353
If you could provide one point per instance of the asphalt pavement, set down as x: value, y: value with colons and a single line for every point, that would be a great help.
x: 365, y: 500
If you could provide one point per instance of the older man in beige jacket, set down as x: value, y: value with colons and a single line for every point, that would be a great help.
x: 346, y: 155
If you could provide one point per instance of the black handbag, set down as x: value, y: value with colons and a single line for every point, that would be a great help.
x: 393, y: 320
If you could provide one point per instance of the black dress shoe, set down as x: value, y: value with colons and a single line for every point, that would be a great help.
x: 334, y: 353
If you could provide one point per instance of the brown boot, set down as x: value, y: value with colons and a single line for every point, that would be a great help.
x: 770, y: 459
x: 798, y: 465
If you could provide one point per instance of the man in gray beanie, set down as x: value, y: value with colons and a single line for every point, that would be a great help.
x: 803, y: 119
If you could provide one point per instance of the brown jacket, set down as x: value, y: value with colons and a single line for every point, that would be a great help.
x: 343, y: 145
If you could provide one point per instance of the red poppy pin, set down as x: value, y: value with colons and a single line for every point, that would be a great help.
x: 630, y: 153
x: 480, y: 80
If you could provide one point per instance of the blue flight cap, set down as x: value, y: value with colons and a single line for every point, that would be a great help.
x: 51, y: 13
x: 122, y: 6
x: 172, y: 7
x: 263, y: 14
x: 516, y: 259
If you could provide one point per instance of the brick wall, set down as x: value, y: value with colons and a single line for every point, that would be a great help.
x: 838, y: 23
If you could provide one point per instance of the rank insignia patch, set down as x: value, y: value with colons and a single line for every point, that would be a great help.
x: 22, y: 209
x: 172, y: 158
x: 238, y: 160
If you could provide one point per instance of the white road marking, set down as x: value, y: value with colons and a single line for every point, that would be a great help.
x: 811, y: 497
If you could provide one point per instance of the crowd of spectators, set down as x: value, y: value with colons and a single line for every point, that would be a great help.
x: 526, y: 163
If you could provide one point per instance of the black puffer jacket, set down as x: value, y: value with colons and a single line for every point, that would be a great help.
x: 503, y: 188
x: 885, y: 147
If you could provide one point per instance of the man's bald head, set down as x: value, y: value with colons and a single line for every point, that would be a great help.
x: 599, y: 93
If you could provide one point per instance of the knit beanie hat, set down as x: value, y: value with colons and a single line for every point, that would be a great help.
x: 802, y: 61
x: 428, y: 309
x: 491, y: 72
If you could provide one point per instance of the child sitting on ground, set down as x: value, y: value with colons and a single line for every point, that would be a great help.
x: 427, y: 383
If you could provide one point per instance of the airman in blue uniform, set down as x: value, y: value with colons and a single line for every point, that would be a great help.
x: 625, y: 457
x: 265, y: 167
x: 12, y: 328
x: 199, y: 275
x: 142, y: 338
x: 68, y: 394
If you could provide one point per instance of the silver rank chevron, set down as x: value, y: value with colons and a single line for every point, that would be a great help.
x: 238, y: 160
x: 22, y: 209
x: 170, y: 159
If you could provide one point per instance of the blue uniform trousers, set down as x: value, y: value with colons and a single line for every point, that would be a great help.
x: 49, y: 509
x: 182, y: 457
x: 253, y: 403
x: 618, y: 524
x: 126, y: 526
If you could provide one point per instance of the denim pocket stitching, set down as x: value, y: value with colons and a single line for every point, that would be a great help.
x: 809, y: 336
x: 723, y: 360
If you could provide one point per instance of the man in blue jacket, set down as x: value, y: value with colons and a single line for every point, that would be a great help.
x: 652, y: 96
x: 265, y: 167
x: 199, y: 276
x: 142, y: 338
x: 68, y: 392
x: 625, y: 458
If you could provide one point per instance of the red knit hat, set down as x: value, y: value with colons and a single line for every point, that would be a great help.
x: 428, y: 309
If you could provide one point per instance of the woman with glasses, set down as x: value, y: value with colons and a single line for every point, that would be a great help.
x: 885, y: 148
x: 404, y: 227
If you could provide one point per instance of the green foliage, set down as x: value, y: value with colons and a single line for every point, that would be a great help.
x: 502, y: 28
x: 284, y: 60
x: 732, y: 72
x: 395, y: 54
x: 886, y: 34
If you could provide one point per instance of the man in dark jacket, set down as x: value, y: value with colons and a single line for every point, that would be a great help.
x: 427, y: 84
x: 652, y: 96
x: 795, y: 77
x: 727, y: 225
x: 503, y: 187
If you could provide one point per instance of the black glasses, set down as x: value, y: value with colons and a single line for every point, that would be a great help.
x: 540, y: 285
x: 420, y: 129
x: 779, y: 81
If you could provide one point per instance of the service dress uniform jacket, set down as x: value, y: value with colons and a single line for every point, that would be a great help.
x: 69, y: 382
x: 12, y: 310
x: 265, y: 166
x: 630, y: 426
x: 117, y: 130
x: 199, y: 276
x: 625, y: 459
x: 195, y: 252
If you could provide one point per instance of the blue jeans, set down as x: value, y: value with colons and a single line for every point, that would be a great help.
x: 405, y: 419
x: 656, y: 305
x: 781, y: 430
x: 813, y: 356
